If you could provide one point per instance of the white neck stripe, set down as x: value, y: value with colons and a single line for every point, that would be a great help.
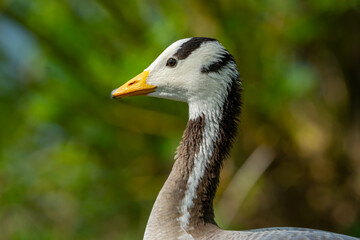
x: 201, y: 159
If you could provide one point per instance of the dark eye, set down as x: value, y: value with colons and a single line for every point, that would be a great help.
x: 171, y: 62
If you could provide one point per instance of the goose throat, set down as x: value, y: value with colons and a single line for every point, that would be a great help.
x: 205, y: 144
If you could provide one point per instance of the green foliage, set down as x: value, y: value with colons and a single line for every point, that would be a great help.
x: 75, y: 164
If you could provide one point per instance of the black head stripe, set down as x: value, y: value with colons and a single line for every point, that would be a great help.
x: 225, y: 59
x: 188, y: 47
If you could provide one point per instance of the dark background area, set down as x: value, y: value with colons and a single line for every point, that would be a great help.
x: 75, y: 164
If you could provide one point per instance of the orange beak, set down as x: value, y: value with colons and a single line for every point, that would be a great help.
x: 135, y: 87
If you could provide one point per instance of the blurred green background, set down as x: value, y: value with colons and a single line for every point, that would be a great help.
x: 75, y: 164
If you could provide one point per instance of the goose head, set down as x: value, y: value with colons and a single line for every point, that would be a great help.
x: 196, y: 70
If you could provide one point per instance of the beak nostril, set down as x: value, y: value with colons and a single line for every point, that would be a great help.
x: 131, y: 83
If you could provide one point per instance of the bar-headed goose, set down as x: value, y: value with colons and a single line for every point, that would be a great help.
x: 201, y: 72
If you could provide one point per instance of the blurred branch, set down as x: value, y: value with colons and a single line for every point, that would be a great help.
x: 242, y: 182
